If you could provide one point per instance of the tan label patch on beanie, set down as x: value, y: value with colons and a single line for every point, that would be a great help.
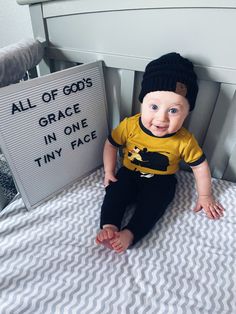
x: 181, y: 89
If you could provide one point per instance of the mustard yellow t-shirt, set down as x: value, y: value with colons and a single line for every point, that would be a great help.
x: 147, y: 153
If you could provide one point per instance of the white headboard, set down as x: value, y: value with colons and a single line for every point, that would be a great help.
x: 127, y: 34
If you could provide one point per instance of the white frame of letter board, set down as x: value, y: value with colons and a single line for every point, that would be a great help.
x: 38, y: 84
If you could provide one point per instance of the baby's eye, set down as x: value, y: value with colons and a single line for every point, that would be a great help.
x: 154, y: 107
x: 173, y: 110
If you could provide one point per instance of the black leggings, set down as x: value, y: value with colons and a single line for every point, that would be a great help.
x: 150, y: 195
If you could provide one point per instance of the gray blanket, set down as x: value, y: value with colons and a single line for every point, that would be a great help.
x: 50, y: 263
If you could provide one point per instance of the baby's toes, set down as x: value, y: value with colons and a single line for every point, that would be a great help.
x: 119, y: 250
x: 117, y: 245
x: 99, y: 238
x: 102, y: 236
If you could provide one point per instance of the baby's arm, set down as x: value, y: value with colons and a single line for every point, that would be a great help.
x: 109, y: 160
x: 206, y: 201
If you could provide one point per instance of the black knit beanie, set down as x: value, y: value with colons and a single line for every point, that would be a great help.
x: 171, y: 72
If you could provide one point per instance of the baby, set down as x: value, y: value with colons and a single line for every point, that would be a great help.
x: 153, y: 142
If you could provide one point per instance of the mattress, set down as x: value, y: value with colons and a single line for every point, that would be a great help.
x: 51, y: 264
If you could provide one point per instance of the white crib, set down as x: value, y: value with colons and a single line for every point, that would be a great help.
x: 187, y: 264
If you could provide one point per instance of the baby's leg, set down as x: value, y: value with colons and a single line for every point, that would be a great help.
x: 155, y: 195
x: 118, y: 196
x: 122, y: 240
x: 105, y: 235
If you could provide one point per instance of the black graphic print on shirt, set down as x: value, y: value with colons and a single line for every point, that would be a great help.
x: 151, y: 160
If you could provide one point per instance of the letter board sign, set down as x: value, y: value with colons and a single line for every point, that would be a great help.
x: 53, y: 128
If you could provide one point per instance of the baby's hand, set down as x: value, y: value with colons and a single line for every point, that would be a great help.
x: 213, y: 209
x: 109, y: 177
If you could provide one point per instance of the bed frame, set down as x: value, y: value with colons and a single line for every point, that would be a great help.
x: 126, y: 35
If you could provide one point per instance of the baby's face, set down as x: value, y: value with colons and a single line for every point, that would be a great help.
x: 163, y: 112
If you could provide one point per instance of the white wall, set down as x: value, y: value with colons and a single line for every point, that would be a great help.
x: 15, y: 22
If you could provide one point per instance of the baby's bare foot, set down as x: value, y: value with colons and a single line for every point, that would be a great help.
x: 105, y: 235
x: 122, y: 240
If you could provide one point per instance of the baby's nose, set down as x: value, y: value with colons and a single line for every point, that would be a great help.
x: 162, y: 115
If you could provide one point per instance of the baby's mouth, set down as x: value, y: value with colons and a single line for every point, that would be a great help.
x: 159, y: 127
